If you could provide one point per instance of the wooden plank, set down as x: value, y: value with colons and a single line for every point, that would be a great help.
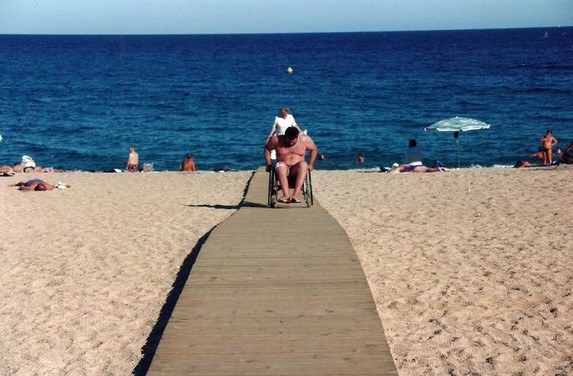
x: 333, y: 364
x: 275, y: 292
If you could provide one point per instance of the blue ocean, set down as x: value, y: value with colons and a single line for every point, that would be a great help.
x: 79, y: 102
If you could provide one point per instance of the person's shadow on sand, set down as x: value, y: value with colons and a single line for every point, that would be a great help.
x: 242, y: 204
x: 216, y: 206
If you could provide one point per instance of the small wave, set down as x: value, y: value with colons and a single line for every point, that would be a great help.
x: 551, y: 67
x: 549, y: 90
x: 41, y: 100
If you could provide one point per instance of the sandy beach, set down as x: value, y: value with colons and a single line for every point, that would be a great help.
x: 471, y: 270
x: 85, y: 271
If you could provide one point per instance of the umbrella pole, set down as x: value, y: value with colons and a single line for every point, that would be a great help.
x: 456, y: 135
x: 458, y: 143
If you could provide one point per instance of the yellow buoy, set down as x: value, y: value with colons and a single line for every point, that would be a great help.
x: 290, y: 70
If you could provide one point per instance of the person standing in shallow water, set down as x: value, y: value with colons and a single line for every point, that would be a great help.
x: 132, y: 160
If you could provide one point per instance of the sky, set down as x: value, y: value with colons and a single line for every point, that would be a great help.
x: 274, y: 16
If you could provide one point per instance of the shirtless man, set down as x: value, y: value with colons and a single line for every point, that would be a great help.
x: 547, y: 143
x: 188, y: 163
x: 291, y: 149
x: 132, y: 160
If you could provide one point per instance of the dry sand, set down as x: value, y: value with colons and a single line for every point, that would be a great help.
x: 85, y: 271
x: 471, y: 270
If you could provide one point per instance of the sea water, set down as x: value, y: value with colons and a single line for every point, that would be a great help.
x: 79, y: 102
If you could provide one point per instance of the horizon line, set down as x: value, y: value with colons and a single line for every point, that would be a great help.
x: 286, y: 33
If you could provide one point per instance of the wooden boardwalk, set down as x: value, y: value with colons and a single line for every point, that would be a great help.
x: 275, y: 292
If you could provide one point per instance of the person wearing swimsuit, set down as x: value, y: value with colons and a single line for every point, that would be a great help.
x: 291, y: 149
x: 547, y: 143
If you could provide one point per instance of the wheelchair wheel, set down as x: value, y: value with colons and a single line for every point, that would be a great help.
x: 307, y: 190
x: 272, y: 189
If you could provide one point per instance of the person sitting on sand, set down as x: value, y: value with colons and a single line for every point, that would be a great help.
x: 547, y: 143
x: 520, y: 164
x: 19, y: 167
x: 6, y: 171
x: 567, y: 154
x: 291, y: 149
x: 35, y: 185
x: 132, y: 160
x: 540, y: 153
x: 415, y: 168
x: 29, y: 165
x: 41, y: 169
x: 413, y: 155
x: 188, y: 163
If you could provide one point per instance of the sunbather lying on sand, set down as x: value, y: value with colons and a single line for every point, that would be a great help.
x: 39, y: 185
x: 415, y: 168
x: 19, y: 168
x: 34, y: 185
x: 6, y: 170
x: 521, y: 164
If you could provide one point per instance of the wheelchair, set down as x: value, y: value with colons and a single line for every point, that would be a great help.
x: 274, y: 189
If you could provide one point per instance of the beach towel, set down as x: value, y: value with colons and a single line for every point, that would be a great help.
x: 61, y: 185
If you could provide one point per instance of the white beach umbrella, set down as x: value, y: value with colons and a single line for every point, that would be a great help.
x: 457, y: 124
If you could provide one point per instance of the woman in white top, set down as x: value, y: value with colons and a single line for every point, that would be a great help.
x: 282, y: 122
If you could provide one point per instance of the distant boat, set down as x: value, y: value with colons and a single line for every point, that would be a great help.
x: 546, y: 35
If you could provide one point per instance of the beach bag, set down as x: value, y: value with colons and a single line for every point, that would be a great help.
x: 27, y: 161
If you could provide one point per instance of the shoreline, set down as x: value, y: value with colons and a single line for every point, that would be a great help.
x: 470, y: 269
x: 318, y: 167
